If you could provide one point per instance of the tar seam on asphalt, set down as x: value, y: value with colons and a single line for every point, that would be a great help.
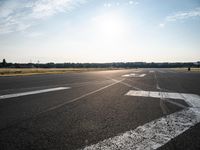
x: 163, y: 107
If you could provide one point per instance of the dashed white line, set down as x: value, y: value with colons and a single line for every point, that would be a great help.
x: 32, y: 92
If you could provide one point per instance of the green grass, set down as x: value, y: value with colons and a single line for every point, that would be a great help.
x: 33, y: 71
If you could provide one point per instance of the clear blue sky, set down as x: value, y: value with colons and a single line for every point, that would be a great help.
x: 99, y: 30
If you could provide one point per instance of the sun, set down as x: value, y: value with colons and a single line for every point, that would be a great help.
x: 109, y: 25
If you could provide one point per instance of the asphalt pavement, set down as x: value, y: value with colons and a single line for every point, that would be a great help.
x: 117, y: 109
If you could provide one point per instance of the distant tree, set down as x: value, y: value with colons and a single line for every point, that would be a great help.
x: 4, y: 63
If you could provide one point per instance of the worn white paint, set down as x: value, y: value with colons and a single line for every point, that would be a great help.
x: 192, y: 100
x: 154, y: 134
x: 134, y: 75
x: 129, y: 75
x: 32, y: 92
x: 142, y: 75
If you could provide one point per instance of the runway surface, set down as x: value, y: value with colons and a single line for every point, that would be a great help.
x: 118, y: 109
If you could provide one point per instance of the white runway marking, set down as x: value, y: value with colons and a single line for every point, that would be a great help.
x: 32, y: 92
x: 134, y: 75
x: 154, y: 134
x: 191, y: 99
x: 142, y: 75
x: 83, y: 96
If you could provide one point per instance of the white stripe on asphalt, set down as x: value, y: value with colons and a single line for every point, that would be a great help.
x: 83, y: 96
x: 154, y: 134
x: 80, y: 97
x: 134, y: 75
x: 142, y: 75
x: 32, y: 92
x: 192, y: 100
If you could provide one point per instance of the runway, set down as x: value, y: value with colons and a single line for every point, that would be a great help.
x: 117, y: 109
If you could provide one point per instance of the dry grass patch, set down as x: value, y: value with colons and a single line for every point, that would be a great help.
x: 32, y: 71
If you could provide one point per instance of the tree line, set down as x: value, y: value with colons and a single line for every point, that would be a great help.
x: 4, y: 64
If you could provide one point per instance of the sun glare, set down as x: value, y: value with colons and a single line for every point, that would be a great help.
x: 110, y: 25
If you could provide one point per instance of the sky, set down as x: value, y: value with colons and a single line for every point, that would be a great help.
x: 99, y: 31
